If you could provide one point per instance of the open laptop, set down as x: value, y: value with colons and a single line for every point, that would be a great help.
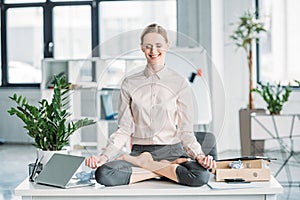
x: 59, y: 171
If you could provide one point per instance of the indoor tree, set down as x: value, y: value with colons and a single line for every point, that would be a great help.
x: 248, y: 30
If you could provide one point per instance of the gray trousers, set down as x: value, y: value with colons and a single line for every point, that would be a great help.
x: 118, y: 172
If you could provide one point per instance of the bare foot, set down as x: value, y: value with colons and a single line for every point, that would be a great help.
x: 139, y: 161
x: 165, y: 161
x: 181, y: 160
x: 177, y: 161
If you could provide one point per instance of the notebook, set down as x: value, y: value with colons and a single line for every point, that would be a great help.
x: 108, y: 107
x: 59, y: 171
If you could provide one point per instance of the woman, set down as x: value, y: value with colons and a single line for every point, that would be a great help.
x: 156, y: 103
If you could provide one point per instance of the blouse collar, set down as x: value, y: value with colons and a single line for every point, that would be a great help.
x: 160, y: 74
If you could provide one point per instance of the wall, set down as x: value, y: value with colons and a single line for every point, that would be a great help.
x: 208, y: 23
x: 11, y: 127
x: 195, y: 21
x: 235, y: 74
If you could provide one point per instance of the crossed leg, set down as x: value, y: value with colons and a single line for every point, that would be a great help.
x: 151, y: 168
x: 140, y: 174
x: 131, y: 169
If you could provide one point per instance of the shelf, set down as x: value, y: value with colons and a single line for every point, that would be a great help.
x: 88, y: 92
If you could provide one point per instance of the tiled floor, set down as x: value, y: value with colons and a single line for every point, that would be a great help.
x: 289, y: 176
x: 15, y: 158
x: 13, y: 164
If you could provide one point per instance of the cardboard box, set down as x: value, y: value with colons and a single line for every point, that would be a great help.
x: 254, y: 170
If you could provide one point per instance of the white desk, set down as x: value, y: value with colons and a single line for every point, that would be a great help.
x: 148, y: 190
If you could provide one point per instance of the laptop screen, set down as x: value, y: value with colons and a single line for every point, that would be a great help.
x: 59, y: 170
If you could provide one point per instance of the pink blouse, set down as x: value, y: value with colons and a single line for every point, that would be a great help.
x: 155, y: 109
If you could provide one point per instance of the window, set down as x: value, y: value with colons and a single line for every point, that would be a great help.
x: 72, y: 32
x: 132, y: 16
x: 69, y: 29
x: 0, y: 53
x: 25, y: 44
x: 27, y: 36
x: 279, y: 48
x: 66, y: 0
x: 22, y: 1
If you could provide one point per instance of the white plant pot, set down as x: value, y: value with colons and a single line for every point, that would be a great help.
x: 46, y: 155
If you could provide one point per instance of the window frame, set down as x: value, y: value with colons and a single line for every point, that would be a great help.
x: 258, y: 54
x: 47, y: 7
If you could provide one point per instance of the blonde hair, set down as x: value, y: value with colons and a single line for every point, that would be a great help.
x: 154, y: 28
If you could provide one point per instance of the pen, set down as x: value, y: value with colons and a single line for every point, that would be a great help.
x: 33, y: 170
x: 88, y: 151
x: 41, y: 160
x: 36, y: 164
x: 238, y: 182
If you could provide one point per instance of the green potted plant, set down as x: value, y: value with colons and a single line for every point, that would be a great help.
x: 48, y: 124
x: 275, y: 95
x: 248, y: 30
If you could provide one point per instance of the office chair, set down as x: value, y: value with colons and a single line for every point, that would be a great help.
x: 208, y: 143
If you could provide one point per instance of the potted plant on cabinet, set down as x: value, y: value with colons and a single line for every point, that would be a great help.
x: 275, y: 95
x: 248, y: 30
x: 49, y: 124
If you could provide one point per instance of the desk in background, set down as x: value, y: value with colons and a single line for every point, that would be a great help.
x: 283, y: 129
x: 148, y: 190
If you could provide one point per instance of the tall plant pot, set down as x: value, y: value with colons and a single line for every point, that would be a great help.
x: 249, y: 146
